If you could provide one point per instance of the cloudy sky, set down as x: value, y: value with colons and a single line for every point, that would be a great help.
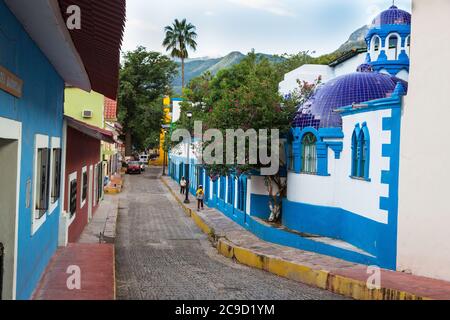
x: 268, y: 26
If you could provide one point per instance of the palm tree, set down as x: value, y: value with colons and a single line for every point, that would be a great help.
x: 179, y: 38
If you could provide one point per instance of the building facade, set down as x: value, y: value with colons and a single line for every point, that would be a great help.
x: 342, y: 156
x: 38, y: 57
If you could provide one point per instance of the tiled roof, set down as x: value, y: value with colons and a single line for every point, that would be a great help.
x: 99, y: 40
x: 110, y: 109
x: 358, y: 87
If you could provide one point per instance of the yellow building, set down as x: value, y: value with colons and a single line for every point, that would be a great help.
x: 163, y: 156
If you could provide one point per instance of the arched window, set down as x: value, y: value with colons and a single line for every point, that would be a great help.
x: 355, y: 154
x: 393, y: 47
x: 408, y: 45
x: 309, y: 154
x: 376, y: 44
x: 360, y: 152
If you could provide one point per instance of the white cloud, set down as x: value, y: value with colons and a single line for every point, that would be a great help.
x: 209, y: 13
x: 272, y: 6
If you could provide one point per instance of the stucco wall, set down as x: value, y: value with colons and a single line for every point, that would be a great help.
x: 82, y: 151
x: 338, y: 189
x: 424, y: 208
x: 40, y: 111
x: 77, y: 100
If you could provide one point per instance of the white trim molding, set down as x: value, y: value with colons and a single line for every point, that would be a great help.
x: 10, y: 129
x: 55, y: 144
x: 40, y: 141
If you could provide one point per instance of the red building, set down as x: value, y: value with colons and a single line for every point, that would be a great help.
x: 84, y: 173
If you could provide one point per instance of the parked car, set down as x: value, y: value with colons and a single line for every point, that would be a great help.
x: 134, y: 167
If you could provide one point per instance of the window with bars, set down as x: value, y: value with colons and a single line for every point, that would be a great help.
x: 223, y: 187
x: 309, y: 154
x: 42, y: 182
x: 230, y: 199
x: 84, y: 185
x: 73, y: 196
x: 242, y: 194
x: 56, y: 175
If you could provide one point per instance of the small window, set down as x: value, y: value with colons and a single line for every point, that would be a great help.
x: 73, y: 195
x: 242, y: 194
x: 360, y: 153
x: 56, y: 175
x: 84, y: 185
x: 230, y: 199
x: 42, y: 181
x: 291, y: 157
x: 376, y: 45
x: 223, y: 187
x: 309, y: 154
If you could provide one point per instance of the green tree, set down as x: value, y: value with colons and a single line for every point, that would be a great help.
x: 145, y: 77
x: 245, y: 96
x: 178, y: 39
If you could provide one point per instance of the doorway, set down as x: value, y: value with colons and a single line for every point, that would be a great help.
x: 90, y: 192
x: 8, y: 211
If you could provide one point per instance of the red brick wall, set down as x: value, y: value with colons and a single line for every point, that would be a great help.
x: 82, y: 151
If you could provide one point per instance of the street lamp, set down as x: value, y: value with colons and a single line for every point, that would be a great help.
x: 164, y: 153
x: 188, y: 182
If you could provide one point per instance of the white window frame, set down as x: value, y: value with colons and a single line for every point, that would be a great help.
x: 55, y: 144
x: 72, y: 176
x: 40, y: 141
x: 83, y: 202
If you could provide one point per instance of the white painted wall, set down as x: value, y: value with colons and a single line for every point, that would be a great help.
x: 350, y: 65
x: 308, y: 73
x: 339, y: 190
x: 424, y: 207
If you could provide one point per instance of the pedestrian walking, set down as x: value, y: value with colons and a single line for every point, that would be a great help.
x: 183, y: 184
x: 200, y: 196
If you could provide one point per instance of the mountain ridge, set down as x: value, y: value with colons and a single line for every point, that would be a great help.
x: 195, y: 67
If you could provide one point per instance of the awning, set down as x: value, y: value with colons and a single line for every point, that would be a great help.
x: 99, y: 40
x: 92, y: 131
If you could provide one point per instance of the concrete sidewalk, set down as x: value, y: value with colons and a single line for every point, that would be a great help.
x: 93, y: 254
x: 338, y: 276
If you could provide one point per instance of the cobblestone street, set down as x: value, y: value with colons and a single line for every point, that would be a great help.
x: 161, y: 254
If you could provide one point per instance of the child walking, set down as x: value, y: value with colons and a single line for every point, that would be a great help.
x: 200, y: 196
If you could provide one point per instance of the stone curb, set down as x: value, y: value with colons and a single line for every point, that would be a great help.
x: 322, y: 279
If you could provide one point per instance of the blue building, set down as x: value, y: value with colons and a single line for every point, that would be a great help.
x: 342, y: 160
x: 37, y: 59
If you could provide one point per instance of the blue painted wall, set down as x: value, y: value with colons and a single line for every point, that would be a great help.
x: 40, y: 111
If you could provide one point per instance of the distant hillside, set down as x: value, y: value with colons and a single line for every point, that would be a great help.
x: 356, y: 40
x: 196, y: 67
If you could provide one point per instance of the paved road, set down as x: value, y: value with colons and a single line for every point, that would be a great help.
x: 161, y: 254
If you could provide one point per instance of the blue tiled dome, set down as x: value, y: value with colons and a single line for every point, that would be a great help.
x: 392, y: 16
x: 358, y: 87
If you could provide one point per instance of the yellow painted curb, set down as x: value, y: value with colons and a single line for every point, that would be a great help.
x: 318, y: 278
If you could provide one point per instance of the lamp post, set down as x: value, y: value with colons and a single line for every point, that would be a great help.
x: 164, y: 153
x: 188, y: 182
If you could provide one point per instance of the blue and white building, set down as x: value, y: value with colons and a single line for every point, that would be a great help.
x: 342, y: 156
x: 38, y: 57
